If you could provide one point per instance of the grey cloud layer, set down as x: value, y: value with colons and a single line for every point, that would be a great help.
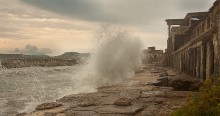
x: 31, y: 21
x: 121, y: 11
x: 83, y: 8
x: 195, y: 5
x: 23, y: 22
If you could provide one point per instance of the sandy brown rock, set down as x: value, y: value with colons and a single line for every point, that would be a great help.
x: 185, y: 83
x: 123, y: 102
x: 50, y: 105
x: 111, y: 109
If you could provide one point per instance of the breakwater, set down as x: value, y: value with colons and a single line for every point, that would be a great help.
x: 41, y: 62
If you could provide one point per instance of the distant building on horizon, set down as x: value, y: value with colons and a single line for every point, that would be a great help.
x: 152, y: 56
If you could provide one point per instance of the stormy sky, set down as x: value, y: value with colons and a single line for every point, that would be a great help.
x: 55, y: 26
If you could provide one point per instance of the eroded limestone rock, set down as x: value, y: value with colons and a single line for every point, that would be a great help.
x: 50, y: 105
x: 123, y: 102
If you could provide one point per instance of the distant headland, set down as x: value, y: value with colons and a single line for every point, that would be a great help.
x: 22, y: 60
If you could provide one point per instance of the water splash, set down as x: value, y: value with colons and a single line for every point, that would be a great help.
x: 30, y: 106
x: 116, y: 57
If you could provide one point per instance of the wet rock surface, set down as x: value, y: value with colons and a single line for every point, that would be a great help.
x: 134, y: 97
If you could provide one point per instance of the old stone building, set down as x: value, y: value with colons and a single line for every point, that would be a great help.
x: 152, y: 56
x: 193, y: 43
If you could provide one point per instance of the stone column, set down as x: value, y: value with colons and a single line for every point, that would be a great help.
x: 218, y: 47
x: 184, y: 62
x: 194, y: 62
x: 181, y: 62
x: 188, y: 63
x: 215, y: 47
x: 210, y: 60
x: 198, y: 62
x: 169, y: 26
x: 203, y: 62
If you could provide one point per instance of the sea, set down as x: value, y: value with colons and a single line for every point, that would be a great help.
x: 22, y: 89
x: 116, y: 56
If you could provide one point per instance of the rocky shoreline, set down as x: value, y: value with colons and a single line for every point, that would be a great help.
x: 137, y: 96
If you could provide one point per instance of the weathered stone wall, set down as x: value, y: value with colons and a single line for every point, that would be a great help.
x: 179, y: 30
x: 199, y: 54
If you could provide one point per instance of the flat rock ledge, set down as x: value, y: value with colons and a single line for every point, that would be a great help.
x: 132, y: 98
x: 48, y: 106
x: 123, y: 102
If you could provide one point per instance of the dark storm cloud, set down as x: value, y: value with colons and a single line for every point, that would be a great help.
x: 141, y: 12
x: 33, y: 50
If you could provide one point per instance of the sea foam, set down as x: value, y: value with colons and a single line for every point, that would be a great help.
x: 116, y: 56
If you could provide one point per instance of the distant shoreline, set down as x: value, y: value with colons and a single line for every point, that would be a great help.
x: 30, y: 62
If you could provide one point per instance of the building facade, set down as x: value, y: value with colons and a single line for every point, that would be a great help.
x: 152, y: 56
x: 193, y: 43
